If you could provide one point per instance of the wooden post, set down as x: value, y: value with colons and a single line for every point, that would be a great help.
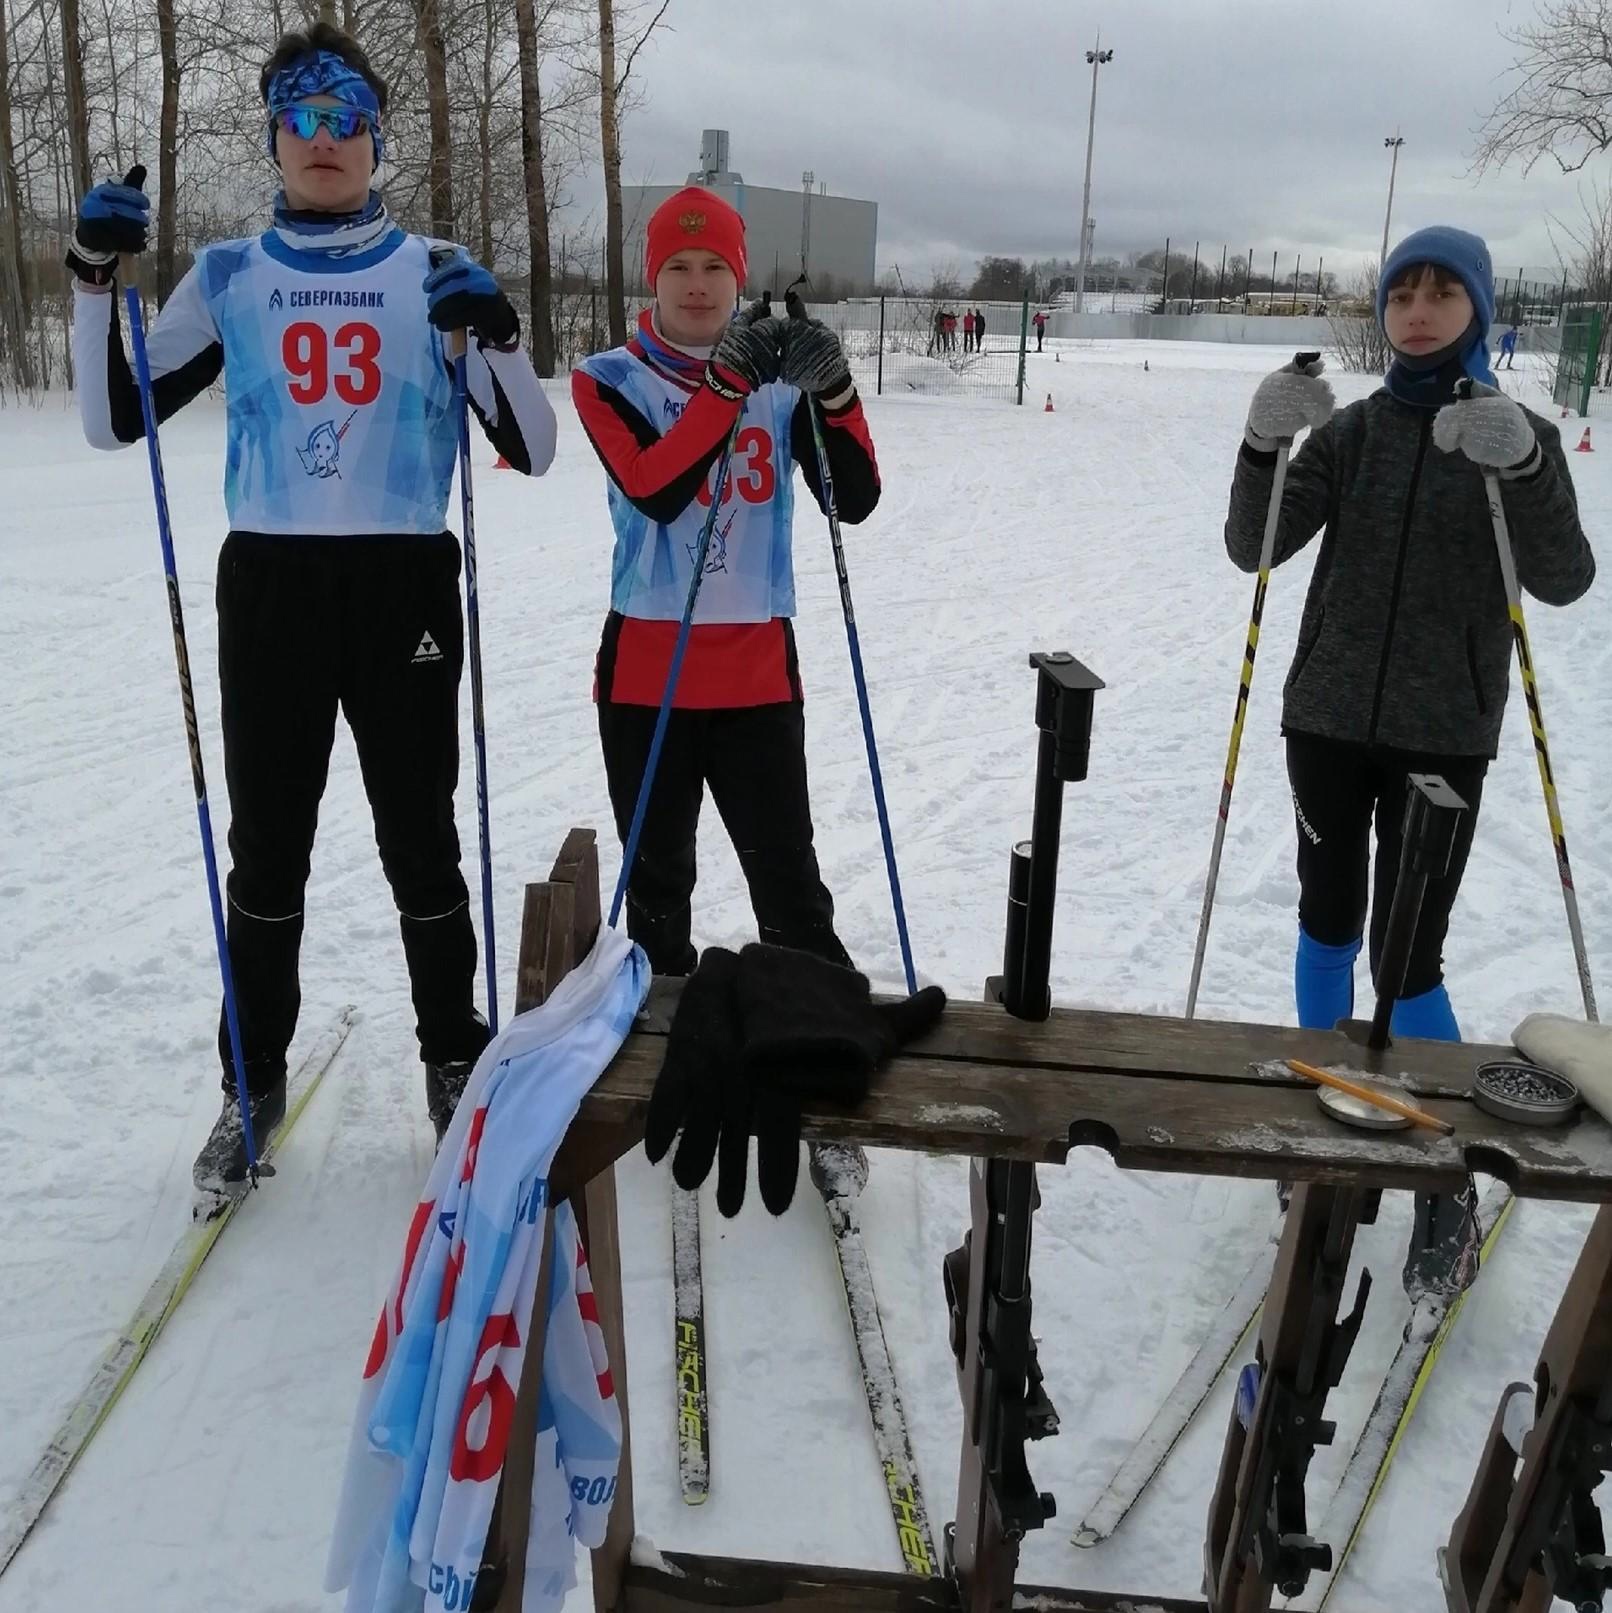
x: 558, y: 929
x: 1256, y: 1539
x: 1530, y: 1534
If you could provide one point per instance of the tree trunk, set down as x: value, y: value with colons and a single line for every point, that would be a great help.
x: 436, y: 89
x: 114, y: 79
x: 610, y: 151
x: 485, y: 116
x: 78, y: 119
x: 540, y: 337
x: 167, y: 150
x: 13, y: 267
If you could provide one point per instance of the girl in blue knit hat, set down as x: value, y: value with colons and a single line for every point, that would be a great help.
x: 1403, y: 661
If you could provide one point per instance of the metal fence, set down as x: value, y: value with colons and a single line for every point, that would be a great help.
x: 921, y: 345
x: 1579, y: 363
x: 901, y: 345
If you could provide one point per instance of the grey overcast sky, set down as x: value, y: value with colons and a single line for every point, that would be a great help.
x: 1258, y: 123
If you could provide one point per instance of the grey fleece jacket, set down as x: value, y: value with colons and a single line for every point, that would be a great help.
x: 1405, y: 639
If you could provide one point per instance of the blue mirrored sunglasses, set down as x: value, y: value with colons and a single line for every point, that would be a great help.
x: 304, y: 121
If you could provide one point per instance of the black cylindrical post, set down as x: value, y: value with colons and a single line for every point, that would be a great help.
x: 879, y: 385
x: 1033, y: 999
x: 1432, y: 815
x: 1064, y: 694
x: 1013, y: 932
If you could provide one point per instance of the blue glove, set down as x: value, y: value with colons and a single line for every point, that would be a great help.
x: 461, y: 295
x: 112, y: 219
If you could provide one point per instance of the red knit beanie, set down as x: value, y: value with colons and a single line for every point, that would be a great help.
x: 694, y: 217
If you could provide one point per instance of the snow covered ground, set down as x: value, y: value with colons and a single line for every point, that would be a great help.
x: 1095, y: 528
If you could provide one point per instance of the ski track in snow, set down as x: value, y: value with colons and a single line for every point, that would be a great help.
x: 1094, y: 529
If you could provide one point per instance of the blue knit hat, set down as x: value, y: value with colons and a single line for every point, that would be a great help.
x: 1467, y: 257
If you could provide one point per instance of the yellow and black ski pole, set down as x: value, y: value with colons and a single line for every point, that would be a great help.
x: 1536, y: 721
x: 1245, y: 682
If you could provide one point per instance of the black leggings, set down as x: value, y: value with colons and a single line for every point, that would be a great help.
x: 754, y: 760
x: 1337, y: 789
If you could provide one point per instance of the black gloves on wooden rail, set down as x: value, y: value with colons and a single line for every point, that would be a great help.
x: 756, y: 1035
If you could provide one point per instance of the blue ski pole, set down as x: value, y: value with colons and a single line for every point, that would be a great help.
x: 663, y: 716
x: 204, y: 818
x: 478, y: 723
x: 826, y: 481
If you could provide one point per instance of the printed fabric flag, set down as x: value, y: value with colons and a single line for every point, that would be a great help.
x: 438, y: 1395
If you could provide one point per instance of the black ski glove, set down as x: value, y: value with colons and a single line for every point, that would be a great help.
x: 461, y: 295
x: 811, y: 1031
x: 113, y: 218
x: 747, y: 355
x: 701, y: 1091
x: 812, y: 357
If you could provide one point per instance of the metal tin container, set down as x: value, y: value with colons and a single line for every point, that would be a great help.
x: 1356, y: 1112
x: 1513, y: 1089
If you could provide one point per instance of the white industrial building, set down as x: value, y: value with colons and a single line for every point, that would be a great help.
x: 835, y: 235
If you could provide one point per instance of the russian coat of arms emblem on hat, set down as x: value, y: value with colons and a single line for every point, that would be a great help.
x: 691, y: 223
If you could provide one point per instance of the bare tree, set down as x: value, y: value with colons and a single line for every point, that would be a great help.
x: 612, y: 86
x: 541, y: 335
x: 610, y: 153
x: 1358, y: 342
x: 167, y: 149
x: 435, y: 53
x: 78, y: 117
x: 16, y: 290
x: 1561, y: 103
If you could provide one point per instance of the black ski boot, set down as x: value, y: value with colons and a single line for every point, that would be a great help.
x: 220, y: 1167
x: 444, y: 1087
x: 1442, y: 1261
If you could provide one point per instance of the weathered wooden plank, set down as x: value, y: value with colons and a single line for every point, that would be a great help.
x: 1156, y: 1123
x: 1156, y: 1045
x: 679, y: 1582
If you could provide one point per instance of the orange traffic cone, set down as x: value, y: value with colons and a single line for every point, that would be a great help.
x: 1049, y: 408
x: 503, y: 464
x: 1584, y: 443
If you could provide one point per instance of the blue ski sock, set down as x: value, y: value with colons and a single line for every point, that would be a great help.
x: 1428, y: 1016
x: 1324, y: 981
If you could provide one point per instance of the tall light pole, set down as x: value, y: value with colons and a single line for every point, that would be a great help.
x: 807, y: 180
x: 1394, y: 143
x: 1096, y: 57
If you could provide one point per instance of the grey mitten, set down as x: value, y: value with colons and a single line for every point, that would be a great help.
x: 1488, y: 427
x: 747, y: 356
x: 813, y: 359
x: 1285, y: 403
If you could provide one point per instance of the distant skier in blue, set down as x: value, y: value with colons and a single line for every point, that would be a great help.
x: 1508, y: 350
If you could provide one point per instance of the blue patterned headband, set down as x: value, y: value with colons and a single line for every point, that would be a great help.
x: 323, y: 72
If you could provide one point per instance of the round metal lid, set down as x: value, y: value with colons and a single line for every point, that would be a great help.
x: 1357, y: 1112
x: 1513, y: 1089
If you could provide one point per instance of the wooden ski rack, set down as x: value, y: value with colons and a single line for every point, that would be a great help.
x: 1529, y: 1535
x: 1014, y: 1084
x: 1158, y: 1094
